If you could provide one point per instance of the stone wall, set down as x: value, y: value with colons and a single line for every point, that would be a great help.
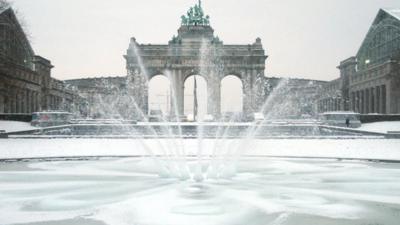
x: 105, y: 97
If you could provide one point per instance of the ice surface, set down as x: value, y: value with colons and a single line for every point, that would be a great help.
x: 265, y: 191
x: 13, y: 126
x: 382, y: 127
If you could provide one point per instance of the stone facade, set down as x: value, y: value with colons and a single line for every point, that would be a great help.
x: 282, y: 98
x: 106, y: 97
x: 369, y: 82
x: 26, y: 84
x: 289, y: 98
x: 196, y: 51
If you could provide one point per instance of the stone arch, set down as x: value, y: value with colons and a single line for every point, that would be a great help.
x: 205, y: 77
x: 239, y: 75
x: 232, y: 94
x: 159, y: 93
x: 154, y: 73
x: 202, y: 93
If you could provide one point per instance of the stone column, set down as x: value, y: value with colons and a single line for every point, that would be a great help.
x: 333, y: 102
x: 378, y: 99
x: 36, y: 102
x: 247, y: 93
x: 177, y: 93
x: 372, y: 90
x: 27, y: 101
x: 258, y: 89
x: 14, y: 101
x: 33, y: 101
x: 17, y: 103
x: 2, y: 104
x: 336, y: 105
x: 7, y: 100
x: 362, y: 101
x: 138, y: 90
x: 214, y: 96
x: 329, y: 104
x: 383, y: 99
x: 366, y: 101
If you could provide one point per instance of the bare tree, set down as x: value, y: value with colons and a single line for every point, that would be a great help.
x: 4, y: 4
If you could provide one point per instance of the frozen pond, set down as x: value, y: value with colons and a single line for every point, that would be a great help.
x: 126, y: 191
x: 117, y: 182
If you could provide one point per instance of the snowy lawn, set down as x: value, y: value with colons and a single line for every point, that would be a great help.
x: 13, y: 126
x: 382, y: 127
x: 352, y: 148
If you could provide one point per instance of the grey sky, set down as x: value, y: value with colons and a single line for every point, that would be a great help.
x: 303, y: 38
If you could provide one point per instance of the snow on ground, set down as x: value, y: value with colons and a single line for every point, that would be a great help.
x: 13, y: 126
x: 382, y: 127
x: 338, y: 148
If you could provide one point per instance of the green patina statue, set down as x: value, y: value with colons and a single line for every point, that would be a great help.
x: 195, y: 17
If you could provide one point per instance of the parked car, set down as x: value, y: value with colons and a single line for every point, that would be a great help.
x: 259, y: 117
x: 156, y: 116
x: 208, y: 118
x: 51, y: 118
x: 233, y: 117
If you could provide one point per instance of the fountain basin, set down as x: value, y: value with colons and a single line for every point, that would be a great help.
x: 264, y: 190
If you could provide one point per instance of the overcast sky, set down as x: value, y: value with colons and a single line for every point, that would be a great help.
x: 303, y: 38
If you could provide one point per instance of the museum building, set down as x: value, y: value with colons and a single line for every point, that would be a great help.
x: 370, y: 81
x: 26, y: 84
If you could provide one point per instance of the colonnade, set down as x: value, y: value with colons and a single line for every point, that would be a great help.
x: 369, y: 100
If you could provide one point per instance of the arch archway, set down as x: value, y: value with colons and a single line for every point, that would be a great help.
x: 231, y: 94
x: 189, y: 97
x: 159, y: 95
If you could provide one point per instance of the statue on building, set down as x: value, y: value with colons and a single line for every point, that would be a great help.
x: 195, y: 17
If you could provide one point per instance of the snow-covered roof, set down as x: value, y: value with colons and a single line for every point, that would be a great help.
x: 3, y: 9
x: 394, y: 12
x: 25, y: 40
x: 340, y: 113
x: 51, y: 112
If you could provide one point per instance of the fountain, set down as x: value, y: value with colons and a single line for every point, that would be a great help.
x: 206, y: 179
x: 198, y: 172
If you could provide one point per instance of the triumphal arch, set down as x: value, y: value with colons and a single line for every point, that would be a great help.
x: 196, y: 51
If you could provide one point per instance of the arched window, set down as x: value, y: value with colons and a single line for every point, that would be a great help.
x: 231, y: 95
x: 160, y: 95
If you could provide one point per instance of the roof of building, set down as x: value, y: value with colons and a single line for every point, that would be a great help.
x: 96, y: 81
x: 393, y: 12
x: 26, y: 42
x: 382, y: 14
x: 4, y: 8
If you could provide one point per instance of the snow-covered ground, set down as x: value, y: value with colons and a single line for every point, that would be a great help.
x: 388, y: 149
x: 13, y: 126
x: 382, y: 127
